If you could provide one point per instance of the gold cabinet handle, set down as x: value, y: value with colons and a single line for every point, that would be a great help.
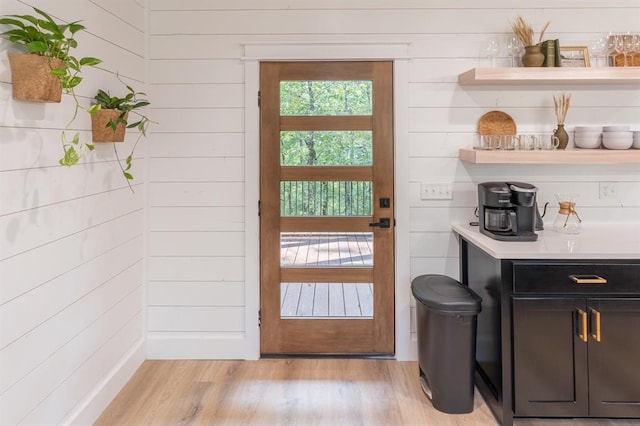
x: 582, y: 333
x: 588, y: 279
x: 596, y: 334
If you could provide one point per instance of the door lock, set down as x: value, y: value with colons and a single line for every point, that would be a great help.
x: 385, y: 222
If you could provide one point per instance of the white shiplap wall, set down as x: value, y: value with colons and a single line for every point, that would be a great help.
x: 71, y: 239
x: 199, y: 297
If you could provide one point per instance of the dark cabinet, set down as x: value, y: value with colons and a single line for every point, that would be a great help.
x: 614, y: 361
x: 556, y: 337
x: 549, y: 358
x: 576, y: 357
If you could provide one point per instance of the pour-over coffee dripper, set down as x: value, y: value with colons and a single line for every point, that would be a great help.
x: 567, y: 220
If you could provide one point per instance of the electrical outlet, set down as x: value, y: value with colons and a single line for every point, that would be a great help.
x: 436, y: 191
x: 608, y: 190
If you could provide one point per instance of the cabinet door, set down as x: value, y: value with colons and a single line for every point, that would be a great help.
x: 549, y: 357
x: 614, y: 361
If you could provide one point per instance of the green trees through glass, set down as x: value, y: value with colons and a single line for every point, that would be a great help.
x: 325, y: 98
x: 326, y: 148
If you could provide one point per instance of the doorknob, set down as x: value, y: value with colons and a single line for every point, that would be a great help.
x: 385, y: 222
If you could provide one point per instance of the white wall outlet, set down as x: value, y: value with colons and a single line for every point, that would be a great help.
x: 436, y: 191
x: 608, y: 190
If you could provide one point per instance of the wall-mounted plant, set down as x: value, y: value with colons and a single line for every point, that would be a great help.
x: 110, y: 119
x: 48, y: 67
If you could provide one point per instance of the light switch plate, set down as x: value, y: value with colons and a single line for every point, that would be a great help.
x: 436, y: 191
x: 608, y: 190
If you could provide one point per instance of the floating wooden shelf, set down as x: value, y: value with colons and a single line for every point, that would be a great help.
x: 542, y: 75
x: 566, y: 156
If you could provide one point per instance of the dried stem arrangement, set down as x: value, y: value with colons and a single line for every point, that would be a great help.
x: 524, y: 31
x: 561, y: 107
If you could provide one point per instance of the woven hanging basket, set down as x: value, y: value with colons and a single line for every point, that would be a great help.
x: 99, y: 130
x: 32, y: 79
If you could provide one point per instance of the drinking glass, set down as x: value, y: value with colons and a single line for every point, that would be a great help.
x: 514, y: 49
x: 492, y: 51
x: 508, y: 142
x: 490, y: 142
x: 526, y: 142
x: 546, y: 141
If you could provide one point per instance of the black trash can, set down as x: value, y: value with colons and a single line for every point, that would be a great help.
x: 446, y: 325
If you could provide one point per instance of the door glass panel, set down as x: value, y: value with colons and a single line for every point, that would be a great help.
x: 326, y: 249
x: 326, y: 148
x: 326, y: 97
x: 326, y: 300
x: 304, y: 198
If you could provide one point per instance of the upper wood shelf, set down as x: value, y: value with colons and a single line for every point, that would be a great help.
x: 565, y: 156
x: 543, y: 75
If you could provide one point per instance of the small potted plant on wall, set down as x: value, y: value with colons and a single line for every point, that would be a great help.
x: 110, y: 119
x: 48, y: 67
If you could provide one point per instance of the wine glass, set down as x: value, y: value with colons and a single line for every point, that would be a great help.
x: 492, y: 51
x: 611, y: 49
x: 618, y: 46
x: 627, y: 47
x: 635, y: 41
x: 598, y: 50
x: 514, y: 48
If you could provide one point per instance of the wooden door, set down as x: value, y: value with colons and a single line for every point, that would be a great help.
x: 326, y: 208
x: 614, y: 358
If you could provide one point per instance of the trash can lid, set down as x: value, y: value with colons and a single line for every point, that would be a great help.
x: 444, y: 294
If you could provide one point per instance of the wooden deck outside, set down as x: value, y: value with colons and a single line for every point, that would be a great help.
x: 324, y: 300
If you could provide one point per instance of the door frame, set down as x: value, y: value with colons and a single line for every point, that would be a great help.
x: 397, y: 52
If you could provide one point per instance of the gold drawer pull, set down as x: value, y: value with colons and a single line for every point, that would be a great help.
x: 596, y: 315
x: 588, y: 279
x: 582, y: 332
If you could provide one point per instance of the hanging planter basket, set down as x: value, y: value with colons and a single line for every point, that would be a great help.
x: 99, y: 129
x: 32, y: 79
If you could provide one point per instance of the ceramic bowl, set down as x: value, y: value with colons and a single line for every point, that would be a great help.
x: 618, y: 135
x: 618, y: 128
x: 617, y: 142
x: 589, y: 135
x: 636, y: 143
x: 589, y: 142
x: 588, y: 129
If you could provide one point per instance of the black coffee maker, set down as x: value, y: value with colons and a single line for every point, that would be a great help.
x: 507, y: 210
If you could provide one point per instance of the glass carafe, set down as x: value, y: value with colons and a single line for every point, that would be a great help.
x: 567, y: 220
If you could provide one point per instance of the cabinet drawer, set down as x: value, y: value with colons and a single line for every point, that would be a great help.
x: 576, y: 278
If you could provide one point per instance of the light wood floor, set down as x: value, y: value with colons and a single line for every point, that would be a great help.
x: 295, y: 391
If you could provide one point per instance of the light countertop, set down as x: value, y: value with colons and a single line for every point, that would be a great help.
x: 595, y: 241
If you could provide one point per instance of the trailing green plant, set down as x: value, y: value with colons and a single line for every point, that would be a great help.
x: 131, y: 103
x: 41, y: 35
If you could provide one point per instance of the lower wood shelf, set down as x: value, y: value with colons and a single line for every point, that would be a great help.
x: 564, y: 156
